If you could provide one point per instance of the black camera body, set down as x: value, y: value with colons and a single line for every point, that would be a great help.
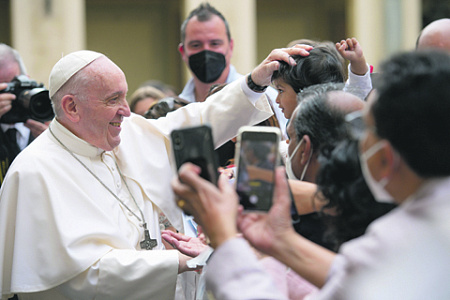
x: 32, y: 101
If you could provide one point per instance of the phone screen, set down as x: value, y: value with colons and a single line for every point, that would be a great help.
x: 258, y: 156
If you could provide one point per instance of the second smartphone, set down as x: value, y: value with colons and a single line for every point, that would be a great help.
x: 257, y: 156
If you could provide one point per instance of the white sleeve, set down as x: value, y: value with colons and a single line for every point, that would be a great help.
x: 359, y: 86
x: 225, y: 111
x: 233, y: 272
x: 126, y: 274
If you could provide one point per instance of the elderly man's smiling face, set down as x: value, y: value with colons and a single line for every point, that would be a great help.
x: 102, y: 109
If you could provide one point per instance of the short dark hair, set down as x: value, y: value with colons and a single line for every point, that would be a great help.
x: 320, y: 66
x: 204, y: 12
x: 412, y: 110
x: 317, y: 118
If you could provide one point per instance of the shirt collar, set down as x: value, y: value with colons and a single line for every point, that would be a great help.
x: 20, y: 127
x: 72, y: 142
x: 428, y: 188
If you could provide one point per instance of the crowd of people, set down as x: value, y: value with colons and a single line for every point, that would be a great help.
x: 92, y: 206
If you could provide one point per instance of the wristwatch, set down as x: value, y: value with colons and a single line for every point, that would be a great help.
x: 253, y: 86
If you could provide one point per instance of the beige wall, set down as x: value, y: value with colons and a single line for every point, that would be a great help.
x: 384, y: 27
x: 282, y: 21
x: 44, y: 31
x: 142, y: 36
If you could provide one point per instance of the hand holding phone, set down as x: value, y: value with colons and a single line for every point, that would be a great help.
x: 256, y: 158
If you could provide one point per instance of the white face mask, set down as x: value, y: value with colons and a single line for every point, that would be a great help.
x: 290, y: 173
x: 376, y: 187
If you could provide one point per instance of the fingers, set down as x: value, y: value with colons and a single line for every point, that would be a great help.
x: 4, y: 109
x: 347, y: 44
x: 246, y: 220
x: 5, y: 100
x: 354, y: 41
x: 350, y: 44
x: 262, y: 74
x: 191, y: 189
x: 285, y: 54
x: 304, y: 49
x: 188, y: 174
x: 3, y: 86
x: 281, y: 192
x: 169, y: 239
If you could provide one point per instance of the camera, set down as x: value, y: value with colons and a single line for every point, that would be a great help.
x: 32, y: 101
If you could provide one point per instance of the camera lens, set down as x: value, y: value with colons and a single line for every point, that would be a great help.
x: 40, y: 105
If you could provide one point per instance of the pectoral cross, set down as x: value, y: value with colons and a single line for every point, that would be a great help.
x: 148, y: 243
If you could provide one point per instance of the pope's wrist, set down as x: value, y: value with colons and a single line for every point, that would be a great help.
x: 253, y: 86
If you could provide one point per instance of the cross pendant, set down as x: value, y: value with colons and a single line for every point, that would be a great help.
x: 148, y: 243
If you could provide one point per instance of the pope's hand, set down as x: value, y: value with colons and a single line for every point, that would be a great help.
x: 262, y: 74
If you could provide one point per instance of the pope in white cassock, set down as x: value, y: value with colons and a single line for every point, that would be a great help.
x: 79, y: 207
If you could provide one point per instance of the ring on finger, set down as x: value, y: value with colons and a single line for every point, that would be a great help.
x: 181, y: 203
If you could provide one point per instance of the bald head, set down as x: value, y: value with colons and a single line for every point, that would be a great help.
x: 344, y: 102
x: 435, y: 36
x: 321, y: 116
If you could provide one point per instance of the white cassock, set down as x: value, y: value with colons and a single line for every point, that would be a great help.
x: 63, y: 235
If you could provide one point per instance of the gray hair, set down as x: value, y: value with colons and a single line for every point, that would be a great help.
x: 9, y: 55
x: 76, y: 85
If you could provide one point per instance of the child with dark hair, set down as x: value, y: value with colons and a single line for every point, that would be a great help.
x: 322, y: 65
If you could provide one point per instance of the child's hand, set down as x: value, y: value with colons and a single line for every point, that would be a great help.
x: 351, y: 50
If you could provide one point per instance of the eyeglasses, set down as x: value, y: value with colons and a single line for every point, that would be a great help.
x: 355, y: 124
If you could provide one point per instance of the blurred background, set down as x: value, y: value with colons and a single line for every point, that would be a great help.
x: 142, y: 36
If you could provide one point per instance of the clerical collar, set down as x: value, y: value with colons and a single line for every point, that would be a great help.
x: 74, y: 143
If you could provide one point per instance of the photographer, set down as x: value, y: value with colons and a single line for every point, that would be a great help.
x: 13, y: 137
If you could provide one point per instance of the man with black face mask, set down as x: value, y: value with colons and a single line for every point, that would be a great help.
x: 206, y: 47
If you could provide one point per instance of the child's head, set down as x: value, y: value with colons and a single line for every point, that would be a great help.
x: 320, y: 66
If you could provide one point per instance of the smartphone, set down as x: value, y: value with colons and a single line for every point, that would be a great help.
x: 195, y: 145
x: 257, y: 156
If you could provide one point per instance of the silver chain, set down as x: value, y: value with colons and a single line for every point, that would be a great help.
x: 104, y: 185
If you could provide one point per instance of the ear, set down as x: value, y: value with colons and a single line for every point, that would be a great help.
x: 307, y: 149
x: 70, y: 108
x: 231, y: 45
x: 389, y: 160
x: 181, y: 49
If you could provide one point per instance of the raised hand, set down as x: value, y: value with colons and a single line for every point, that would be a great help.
x: 262, y: 74
x: 351, y: 50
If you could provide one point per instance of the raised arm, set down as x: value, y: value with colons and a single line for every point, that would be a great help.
x: 351, y: 50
